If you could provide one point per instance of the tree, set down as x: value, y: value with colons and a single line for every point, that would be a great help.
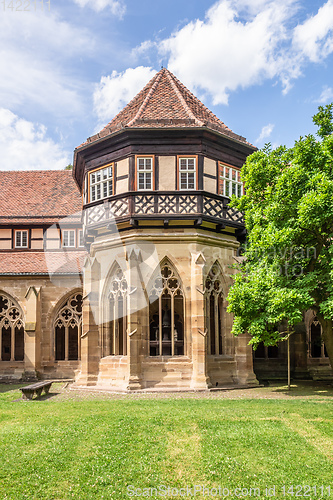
x: 69, y: 167
x: 288, y: 257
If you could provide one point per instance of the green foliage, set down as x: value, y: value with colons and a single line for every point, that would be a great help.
x: 69, y: 167
x: 324, y: 120
x: 288, y: 210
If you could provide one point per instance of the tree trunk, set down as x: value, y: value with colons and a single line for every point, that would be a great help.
x: 327, y: 331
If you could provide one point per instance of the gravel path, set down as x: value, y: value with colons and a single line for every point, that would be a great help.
x: 309, y: 390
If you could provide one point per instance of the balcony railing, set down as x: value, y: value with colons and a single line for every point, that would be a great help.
x: 165, y: 205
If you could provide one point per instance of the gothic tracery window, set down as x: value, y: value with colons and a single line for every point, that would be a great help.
x: 11, y: 330
x: 214, y: 302
x: 117, y: 295
x: 67, y: 329
x: 166, y: 314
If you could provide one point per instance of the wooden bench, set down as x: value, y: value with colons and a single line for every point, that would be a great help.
x: 29, y: 391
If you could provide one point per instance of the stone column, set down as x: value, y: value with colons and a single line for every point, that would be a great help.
x: 244, y: 361
x: 136, y: 306
x: 90, y: 348
x: 32, y: 362
x: 200, y: 379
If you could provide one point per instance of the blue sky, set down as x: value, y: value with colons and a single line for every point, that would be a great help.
x: 262, y: 66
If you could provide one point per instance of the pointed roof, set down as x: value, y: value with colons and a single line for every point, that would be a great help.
x: 165, y: 103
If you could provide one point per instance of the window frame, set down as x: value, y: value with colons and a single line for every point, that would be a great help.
x: 188, y: 157
x: 21, y: 231
x: 79, y: 233
x: 100, y: 183
x: 63, y: 231
x: 223, y: 179
x: 137, y: 171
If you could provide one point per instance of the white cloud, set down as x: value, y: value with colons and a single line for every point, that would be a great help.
x: 143, y: 48
x: 225, y: 52
x: 25, y: 146
x: 314, y: 38
x: 326, y: 96
x: 265, y: 132
x: 116, y: 90
x: 245, y: 42
x: 117, y: 7
x: 38, y: 48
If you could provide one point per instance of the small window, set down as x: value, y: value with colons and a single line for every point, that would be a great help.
x: 81, y: 240
x: 101, y: 183
x: 230, y: 182
x: 144, y: 169
x: 187, y: 173
x: 21, y: 239
x: 68, y: 238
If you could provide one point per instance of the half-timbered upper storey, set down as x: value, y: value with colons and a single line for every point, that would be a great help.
x: 40, y: 218
x: 164, y: 156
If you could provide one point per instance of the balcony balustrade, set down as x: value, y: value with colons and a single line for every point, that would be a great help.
x: 165, y: 205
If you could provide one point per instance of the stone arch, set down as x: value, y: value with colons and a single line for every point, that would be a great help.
x: 114, y: 307
x: 166, y: 311
x: 54, y: 306
x: 214, y: 285
x: 11, y: 329
x: 67, y: 327
x: 315, y: 340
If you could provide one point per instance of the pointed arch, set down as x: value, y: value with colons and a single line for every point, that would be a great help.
x: 214, y: 296
x: 11, y: 329
x: 115, y: 320
x: 67, y: 328
x: 166, y: 311
x: 317, y: 347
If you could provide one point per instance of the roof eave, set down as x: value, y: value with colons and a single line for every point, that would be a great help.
x: 126, y: 129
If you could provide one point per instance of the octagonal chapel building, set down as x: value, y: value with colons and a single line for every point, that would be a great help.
x: 161, y: 238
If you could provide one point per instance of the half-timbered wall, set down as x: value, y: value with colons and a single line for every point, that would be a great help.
x: 122, y: 173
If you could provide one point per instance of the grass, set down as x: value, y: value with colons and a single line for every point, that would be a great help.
x: 94, y: 446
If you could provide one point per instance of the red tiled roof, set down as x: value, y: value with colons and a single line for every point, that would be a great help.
x: 165, y: 103
x: 38, y: 196
x: 59, y: 262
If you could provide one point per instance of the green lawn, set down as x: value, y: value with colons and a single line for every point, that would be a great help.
x: 96, y: 447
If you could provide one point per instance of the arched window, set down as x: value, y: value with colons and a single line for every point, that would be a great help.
x: 166, y: 314
x: 67, y: 329
x: 317, y: 347
x: 117, y: 295
x: 11, y: 330
x: 214, y: 302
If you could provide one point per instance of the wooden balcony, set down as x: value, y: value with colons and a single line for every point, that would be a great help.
x: 162, y: 205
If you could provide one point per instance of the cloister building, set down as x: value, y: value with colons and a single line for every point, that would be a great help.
x: 116, y: 275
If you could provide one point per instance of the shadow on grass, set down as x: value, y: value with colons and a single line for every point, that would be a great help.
x: 44, y: 397
x: 304, y: 388
x: 7, y: 387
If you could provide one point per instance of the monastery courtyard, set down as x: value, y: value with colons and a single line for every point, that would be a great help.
x: 261, y: 442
